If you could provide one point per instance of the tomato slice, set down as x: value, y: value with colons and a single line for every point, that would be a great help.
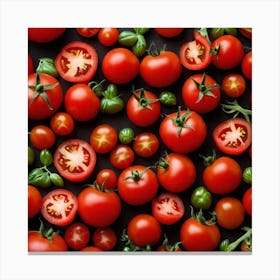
x: 75, y: 160
x: 233, y: 136
x: 59, y: 207
x: 77, y: 62
x: 195, y: 55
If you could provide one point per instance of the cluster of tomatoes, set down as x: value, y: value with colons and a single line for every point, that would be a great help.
x: 139, y: 139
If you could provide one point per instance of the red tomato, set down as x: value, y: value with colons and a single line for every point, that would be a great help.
x: 44, y: 35
x: 42, y: 137
x: 43, y: 101
x: 246, y: 32
x: 98, y: 208
x: 201, y: 93
x: 247, y: 201
x: 137, y: 185
x: 59, y: 207
x: 246, y: 247
x: 246, y: 65
x: 183, y: 131
x: 234, y: 85
x: 77, y: 62
x: 107, y: 178
x: 103, y: 138
x: 196, y: 236
x: 143, y: 108
x: 30, y: 64
x: 146, y: 144
x: 104, y: 238
x: 143, y: 230
x: 77, y: 236
x: 169, y: 32
x: 90, y: 249
x: 176, y: 172
x: 161, y: 70
x: 122, y: 156
x: 34, y: 201
x: 229, y: 52
x: 230, y: 212
x: 62, y: 123
x: 168, y: 208
x: 81, y: 102
x: 120, y: 66
x: 233, y: 136
x: 87, y: 32
x: 195, y: 55
x: 223, y: 176
x: 74, y: 160
x: 108, y: 36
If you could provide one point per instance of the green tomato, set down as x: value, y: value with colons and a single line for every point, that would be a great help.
x: 46, y: 157
x: 126, y: 135
x: 127, y: 38
x: 167, y: 98
x: 201, y: 198
x: 247, y: 175
x: 31, y: 156
x: 46, y: 65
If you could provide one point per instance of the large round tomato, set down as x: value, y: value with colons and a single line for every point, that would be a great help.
x: 183, y: 131
x: 74, y: 160
x: 176, y: 172
x: 98, y: 208
x: 161, y: 70
x: 77, y: 62
x: 45, y: 95
x: 59, y: 207
x: 169, y: 32
x: 44, y: 35
x: 34, y: 201
x: 120, y: 66
x: 137, y: 185
x: 246, y: 65
x: 233, y: 136
x: 81, y: 102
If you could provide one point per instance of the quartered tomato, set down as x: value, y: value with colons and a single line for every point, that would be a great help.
x: 75, y: 160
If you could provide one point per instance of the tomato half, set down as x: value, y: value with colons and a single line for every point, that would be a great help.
x: 77, y: 236
x: 59, y: 207
x: 44, y: 35
x: 34, y: 201
x: 75, y: 160
x: 77, y: 62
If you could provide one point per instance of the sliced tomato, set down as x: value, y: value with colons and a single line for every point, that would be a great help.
x: 77, y: 62
x: 59, y: 207
x: 233, y: 136
x: 75, y: 160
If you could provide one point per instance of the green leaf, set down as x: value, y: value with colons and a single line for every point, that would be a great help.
x: 56, y: 180
x: 46, y: 65
x: 127, y: 38
x: 46, y: 157
x: 141, y: 31
x: 140, y: 47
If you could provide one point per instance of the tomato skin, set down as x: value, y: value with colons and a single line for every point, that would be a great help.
x: 120, y: 66
x: 87, y: 32
x: 30, y: 65
x: 104, y: 238
x: 146, y: 144
x: 81, y: 102
x: 247, y: 201
x: 44, y: 35
x: 62, y: 123
x: 42, y: 137
x: 35, y: 200
x: 223, y: 176
x: 246, y: 32
x: 144, y: 229
x: 161, y: 70
x: 234, y: 85
x: 108, y: 36
x: 122, y: 156
x: 77, y: 236
x: 107, y: 178
x: 90, y: 249
x: 169, y: 32
x: 246, y: 65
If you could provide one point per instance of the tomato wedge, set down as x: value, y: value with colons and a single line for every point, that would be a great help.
x: 75, y: 160
x: 77, y: 62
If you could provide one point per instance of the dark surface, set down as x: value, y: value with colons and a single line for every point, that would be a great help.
x: 83, y: 129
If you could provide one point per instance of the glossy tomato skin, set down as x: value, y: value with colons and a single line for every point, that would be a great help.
x: 247, y: 201
x: 146, y: 144
x: 42, y: 137
x: 35, y: 200
x: 234, y: 85
x: 30, y: 69
x: 77, y: 236
x: 62, y: 123
x: 122, y: 156
x: 120, y: 66
x: 104, y: 238
x: 44, y: 35
x: 107, y: 178
x: 90, y: 249
x: 108, y: 36
x: 169, y: 32
x: 87, y: 32
x: 246, y: 65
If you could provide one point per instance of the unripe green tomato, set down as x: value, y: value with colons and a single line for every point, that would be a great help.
x: 46, y: 157
x: 247, y: 175
x: 201, y: 198
x: 31, y: 156
x: 126, y: 135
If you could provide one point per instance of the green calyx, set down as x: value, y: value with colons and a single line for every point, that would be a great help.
x: 129, y: 246
x: 143, y: 101
x: 209, y: 159
x: 199, y: 217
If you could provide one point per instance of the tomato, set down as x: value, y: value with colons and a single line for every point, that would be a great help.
x: 176, y: 172
x: 44, y: 35
x: 77, y: 236
x: 234, y: 85
x: 77, y: 62
x: 34, y: 201
x: 167, y: 247
x: 143, y: 230
x: 228, y: 52
x: 201, y: 93
x: 103, y: 138
x: 122, y: 156
x: 42, y: 137
x: 87, y: 32
x: 245, y: 247
x: 104, y: 238
x: 169, y: 32
x: 247, y: 201
x: 98, y: 208
x: 201, y: 198
x: 62, y: 123
x: 120, y: 66
x: 74, y: 160
x: 168, y: 208
x: 107, y: 178
x: 233, y: 136
x: 246, y: 65
x: 146, y: 144
x: 230, y: 212
x: 222, y: 176
x: 195, y: 55
x: 90, y: 249
x: 143, y: 108
x: 246, y: 32
x: 137, y: 185
x: 183, y: 131
x: 30, y: 64
x: 59, y: 207
x: 45, y: 96
x: 81, y: 102
x: 108, y: 36
x: 161, y: 70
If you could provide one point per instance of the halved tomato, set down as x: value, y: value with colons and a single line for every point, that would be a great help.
x: 77, y: 62
x: 75, y: 160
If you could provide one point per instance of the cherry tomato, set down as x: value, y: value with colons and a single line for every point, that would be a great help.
x: 107, y: 178
x: 42, y: 137
x: 34, y: 201
x: 87, y: 32
x: 90, y: 249
x: 74, y: 160
x: 146, y: 144
x: 246, y: 32
x: 108, y: 36
x: 122, y: 156
x: 169, y: 32
x: 246, y: 65
x: 234, y: 85
x: 104, y: 238
x: 77, y: 236
x: 62, y: 123
x: 44, y: 35
x: 245, y: 247
x: 30, y: 64
x: 247, y: 201
x: 77, y: 62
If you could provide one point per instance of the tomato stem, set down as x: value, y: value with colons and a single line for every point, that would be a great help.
x: 209, y: 159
